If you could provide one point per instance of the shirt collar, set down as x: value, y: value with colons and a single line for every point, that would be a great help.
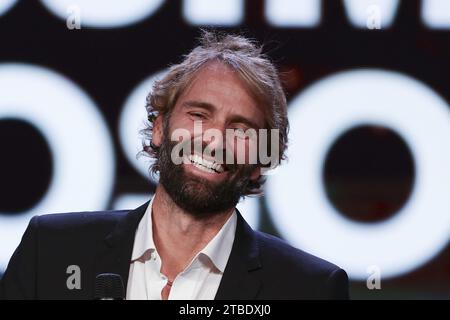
x: 143, y: 240
x: 217, y: 250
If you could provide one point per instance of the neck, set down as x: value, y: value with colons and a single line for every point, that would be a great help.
x: 178, y: 235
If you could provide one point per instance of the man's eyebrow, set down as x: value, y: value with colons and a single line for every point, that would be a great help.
x: 210, y: 107
x: 199, y: 104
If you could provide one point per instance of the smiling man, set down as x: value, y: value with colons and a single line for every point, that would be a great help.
x: 208, y: 116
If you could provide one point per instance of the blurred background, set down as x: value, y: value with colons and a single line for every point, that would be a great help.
x: 367, y: 182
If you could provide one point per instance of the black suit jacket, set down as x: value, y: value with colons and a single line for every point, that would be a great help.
x: 260, y: 266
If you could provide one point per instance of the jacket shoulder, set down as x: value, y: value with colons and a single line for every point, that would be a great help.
x: 276, y: 249
x: 76, y: 227
x: 77, y: 220
x: 292, y: 273
x: 50, y: 244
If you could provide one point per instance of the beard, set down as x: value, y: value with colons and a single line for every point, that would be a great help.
x: 198, y: 197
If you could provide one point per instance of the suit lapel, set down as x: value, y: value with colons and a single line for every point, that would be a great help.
x: 240, y: 281
x: 114, y: 253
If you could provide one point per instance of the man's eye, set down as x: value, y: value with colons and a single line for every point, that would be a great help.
x: 240, y: 133
x: 197, y: 115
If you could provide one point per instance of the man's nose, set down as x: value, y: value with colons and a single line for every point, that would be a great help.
x: 215, y: 140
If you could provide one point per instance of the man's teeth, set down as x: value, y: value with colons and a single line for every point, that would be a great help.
x: 205, y: 165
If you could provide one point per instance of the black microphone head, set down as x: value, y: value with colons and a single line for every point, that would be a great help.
x: 109, y: 286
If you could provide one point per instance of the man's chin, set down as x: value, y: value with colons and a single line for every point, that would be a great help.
x: 200, y: 199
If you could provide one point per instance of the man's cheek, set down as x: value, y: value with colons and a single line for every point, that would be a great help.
x: 242, y: 152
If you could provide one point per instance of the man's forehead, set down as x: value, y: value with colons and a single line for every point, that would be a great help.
x: 218, y: 78
x: 217, y: 73
x: 221, y: 86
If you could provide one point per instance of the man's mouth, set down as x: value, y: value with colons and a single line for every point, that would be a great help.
x: 206, y: 165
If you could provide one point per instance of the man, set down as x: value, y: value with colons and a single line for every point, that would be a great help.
x: 189, y: 241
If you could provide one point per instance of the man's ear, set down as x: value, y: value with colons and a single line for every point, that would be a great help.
x: 157, y: 132
x: 255, y: 173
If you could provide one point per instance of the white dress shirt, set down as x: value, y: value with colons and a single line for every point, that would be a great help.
x: 199, y: 280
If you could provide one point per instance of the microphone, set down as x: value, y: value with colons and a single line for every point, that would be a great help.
x: 109, y: 286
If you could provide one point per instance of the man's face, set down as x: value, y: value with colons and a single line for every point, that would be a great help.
x: 206, y: 182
